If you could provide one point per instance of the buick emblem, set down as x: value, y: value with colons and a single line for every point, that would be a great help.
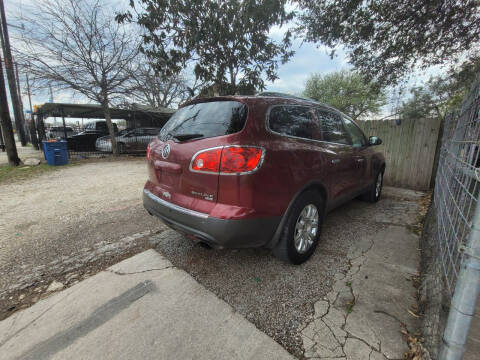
x: 166, y: 151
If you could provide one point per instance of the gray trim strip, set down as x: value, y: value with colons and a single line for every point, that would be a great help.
x: 174, y: 207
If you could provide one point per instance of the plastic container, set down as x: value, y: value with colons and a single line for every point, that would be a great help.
x: 55, y: 152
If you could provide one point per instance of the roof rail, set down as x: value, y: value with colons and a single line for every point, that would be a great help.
x: 288, y: 96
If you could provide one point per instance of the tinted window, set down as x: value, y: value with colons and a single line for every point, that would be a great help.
x: 293, y: 120
x: 101, y: 126
x: 358, y: 138
x: 210, y: 119
x: 332, y: 127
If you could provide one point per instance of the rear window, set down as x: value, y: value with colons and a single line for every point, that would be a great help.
x: 209, y: 119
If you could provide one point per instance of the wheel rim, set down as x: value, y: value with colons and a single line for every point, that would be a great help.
x: 378, y: 185
x: 306, y: 228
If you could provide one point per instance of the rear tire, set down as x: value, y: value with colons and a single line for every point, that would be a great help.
x: 299, y: 238
x: 375, y: 191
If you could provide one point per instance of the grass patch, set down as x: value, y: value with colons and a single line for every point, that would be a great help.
x: 15, y: 173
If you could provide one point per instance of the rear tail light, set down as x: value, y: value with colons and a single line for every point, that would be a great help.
x: 148, y: 152
x: 207, y: 161
x: 228, y: 160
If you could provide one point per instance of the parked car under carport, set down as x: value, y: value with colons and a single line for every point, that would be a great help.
x: 128, y: 140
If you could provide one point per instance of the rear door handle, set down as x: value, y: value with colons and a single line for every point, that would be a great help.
x: 335, y: 161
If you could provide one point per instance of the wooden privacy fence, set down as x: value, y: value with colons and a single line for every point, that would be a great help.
x: 409, y: 150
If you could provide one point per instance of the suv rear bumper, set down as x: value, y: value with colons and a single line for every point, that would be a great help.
x: 216, y: 232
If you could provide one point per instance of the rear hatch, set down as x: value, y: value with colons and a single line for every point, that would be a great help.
x: 190, y: 130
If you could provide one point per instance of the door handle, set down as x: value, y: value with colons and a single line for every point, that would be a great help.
x: 335, y: 161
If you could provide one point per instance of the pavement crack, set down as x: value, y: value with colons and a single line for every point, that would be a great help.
x: 351, y: 336
x: 7, y: 338
x: 392, y: 316
x: 138, y: 272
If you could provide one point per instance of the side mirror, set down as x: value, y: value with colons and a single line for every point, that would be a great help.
x: 373, y: 140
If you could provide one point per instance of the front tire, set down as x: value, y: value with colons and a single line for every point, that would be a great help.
x: 301, y: 231
x: 373, y: 195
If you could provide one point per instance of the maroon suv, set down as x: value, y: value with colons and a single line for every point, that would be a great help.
x: 251, y: 171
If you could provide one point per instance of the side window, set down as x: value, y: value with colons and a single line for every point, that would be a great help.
x: 292, y: 120
x: 358, y: 138
x: 332, y: 127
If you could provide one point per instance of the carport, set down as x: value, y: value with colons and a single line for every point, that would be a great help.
x: 135, y: 116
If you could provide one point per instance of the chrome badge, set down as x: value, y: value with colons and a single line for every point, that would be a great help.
x: 166, y: 151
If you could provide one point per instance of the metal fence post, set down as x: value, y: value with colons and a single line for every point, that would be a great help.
x: 464, y: 299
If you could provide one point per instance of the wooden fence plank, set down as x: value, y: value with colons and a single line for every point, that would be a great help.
x: 409, y: 149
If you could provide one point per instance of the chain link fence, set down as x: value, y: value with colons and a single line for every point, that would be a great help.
x: 450, y: 227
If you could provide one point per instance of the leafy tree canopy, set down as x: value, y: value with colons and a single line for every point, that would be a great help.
x: 441, y: 95
x: 227, y: 40
x: 387, y: 39
x: 347, y: 91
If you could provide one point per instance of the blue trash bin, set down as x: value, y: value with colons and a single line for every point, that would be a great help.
x: 55, y: 152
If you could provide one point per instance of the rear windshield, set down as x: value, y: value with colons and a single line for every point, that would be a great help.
x: 207, y: 119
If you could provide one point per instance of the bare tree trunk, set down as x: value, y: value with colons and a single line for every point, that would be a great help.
x: 11, y: 77
x: 41, y: 130
x: 33, y: 134
x: 111, y: 129
x: 6, y: 123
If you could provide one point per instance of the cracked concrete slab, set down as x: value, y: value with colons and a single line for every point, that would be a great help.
x: 363, y: 316
x: 142, y: 307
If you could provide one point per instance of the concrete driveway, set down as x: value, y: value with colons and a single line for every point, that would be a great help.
x: 141, y: 308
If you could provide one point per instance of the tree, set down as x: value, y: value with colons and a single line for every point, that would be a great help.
x: 227, y: 40
x: 77, y: 44
x: 347, y: 91
x: 441, y: 95
x: 386, y: 39
x: 157, y: 90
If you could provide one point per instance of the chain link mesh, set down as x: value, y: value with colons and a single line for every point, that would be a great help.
x: 457, y: 187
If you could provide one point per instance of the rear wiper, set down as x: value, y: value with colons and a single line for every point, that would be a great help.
x: 183, y: 137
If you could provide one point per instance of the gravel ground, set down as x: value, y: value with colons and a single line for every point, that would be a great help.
x: 72, y: 223
x: 60, y: 213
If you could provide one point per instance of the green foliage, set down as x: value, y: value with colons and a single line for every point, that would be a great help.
x: 347, y: 91
x: 227, y: 41
x: 387, y: 39
x: 441, y: 95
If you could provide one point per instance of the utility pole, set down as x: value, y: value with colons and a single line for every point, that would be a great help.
x: 11, y: 76
x: 6, y: 123
x: 33, y: 131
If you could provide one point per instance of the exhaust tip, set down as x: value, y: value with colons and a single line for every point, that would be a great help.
x: 205, y: 245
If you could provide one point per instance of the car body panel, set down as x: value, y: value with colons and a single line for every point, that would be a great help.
x: 290, y: 166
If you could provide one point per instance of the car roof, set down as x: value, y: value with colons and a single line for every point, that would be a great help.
x: 272, y: 98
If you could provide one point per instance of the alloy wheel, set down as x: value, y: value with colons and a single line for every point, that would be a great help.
x: 306, y: 229
x: 378, y: 185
